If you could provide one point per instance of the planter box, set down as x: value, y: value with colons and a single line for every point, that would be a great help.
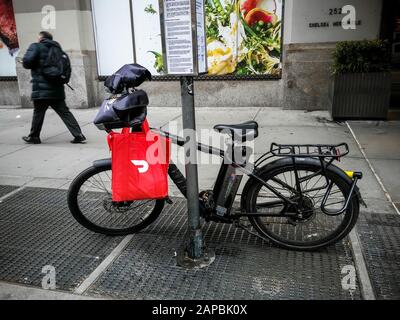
x: 360, y: 96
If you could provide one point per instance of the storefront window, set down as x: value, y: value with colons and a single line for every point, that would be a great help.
x: 113, y: 32
x: 9, y: 46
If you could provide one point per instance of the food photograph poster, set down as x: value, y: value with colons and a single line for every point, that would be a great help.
x: 8, y: 39
x: 243, y: 36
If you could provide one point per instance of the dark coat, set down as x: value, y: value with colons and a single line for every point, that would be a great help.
x: 34, y: 59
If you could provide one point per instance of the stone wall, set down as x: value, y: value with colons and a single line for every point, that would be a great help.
x: 306, y: 76
x: 304, y: 85
x: 9, y: 94
x: 212, y: 93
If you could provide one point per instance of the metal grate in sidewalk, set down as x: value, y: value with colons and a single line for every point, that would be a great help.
x: 37, y: 230
x: 245, y: 268
x: 4, y: 190
x: 380, y: 237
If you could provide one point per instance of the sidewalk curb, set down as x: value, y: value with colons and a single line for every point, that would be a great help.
x: 367, y: 291
x: 96, y: 274
x: 10, y: 291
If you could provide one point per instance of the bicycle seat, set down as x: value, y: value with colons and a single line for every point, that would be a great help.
x: 243, y: 131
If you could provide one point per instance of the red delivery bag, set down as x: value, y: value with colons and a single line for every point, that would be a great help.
x: 140, y: 162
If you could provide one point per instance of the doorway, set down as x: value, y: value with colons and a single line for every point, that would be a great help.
x: 390, y: 30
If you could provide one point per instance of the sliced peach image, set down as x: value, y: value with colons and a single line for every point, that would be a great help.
x: 258, y: 14
x: 267, y: 5
x: 249, y: 5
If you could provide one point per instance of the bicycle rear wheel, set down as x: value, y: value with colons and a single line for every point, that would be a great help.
x: 313, y: 229
x: 90, y: 202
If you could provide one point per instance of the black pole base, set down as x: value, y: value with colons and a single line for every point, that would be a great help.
x: 183, y: 260
x: 195, y: 255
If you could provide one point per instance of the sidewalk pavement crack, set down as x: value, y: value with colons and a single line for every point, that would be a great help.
x: 387, y: 194
x: 257, y: 113
x: 173, y: 119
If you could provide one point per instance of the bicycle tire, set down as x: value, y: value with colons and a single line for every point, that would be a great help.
x: 74, y: 206
x: 249, y: 199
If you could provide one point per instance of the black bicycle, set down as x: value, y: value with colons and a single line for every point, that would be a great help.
x: 294, y: 196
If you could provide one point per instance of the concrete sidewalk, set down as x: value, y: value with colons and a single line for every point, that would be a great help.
x: 10, y: 291
x: 381, y: 145
x: 55, y: 162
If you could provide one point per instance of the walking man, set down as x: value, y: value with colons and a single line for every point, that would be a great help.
x: 47, y: 90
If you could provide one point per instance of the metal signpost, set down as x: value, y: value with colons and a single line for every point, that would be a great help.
x: 185, y: 55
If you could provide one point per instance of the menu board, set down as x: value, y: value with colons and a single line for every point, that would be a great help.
x: 178, y: 37
x: 201, y: 37
x: 184, y: 36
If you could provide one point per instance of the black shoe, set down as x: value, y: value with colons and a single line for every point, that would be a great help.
x: 32, y: 140
x: 79, y: 139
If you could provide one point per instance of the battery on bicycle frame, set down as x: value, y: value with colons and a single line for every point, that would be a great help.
x: 228, y: 182
x: 226, y: 188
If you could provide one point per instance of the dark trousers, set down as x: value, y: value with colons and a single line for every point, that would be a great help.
x: 60, y: 107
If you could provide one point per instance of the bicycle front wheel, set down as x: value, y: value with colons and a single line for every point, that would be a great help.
x: 311, y: 229
x: 90, y: 202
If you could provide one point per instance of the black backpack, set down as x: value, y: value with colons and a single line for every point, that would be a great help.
x: 57, y: 66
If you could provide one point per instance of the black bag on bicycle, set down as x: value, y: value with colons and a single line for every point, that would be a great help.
x: 129, y: 76
x: 127, y: 110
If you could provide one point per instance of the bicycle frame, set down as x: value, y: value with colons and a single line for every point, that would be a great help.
x: 228, y: 182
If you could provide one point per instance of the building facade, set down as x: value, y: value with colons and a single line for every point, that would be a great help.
x: 100, y: 35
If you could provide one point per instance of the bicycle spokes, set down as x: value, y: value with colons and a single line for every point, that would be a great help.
x: 304, y: 218
x: 95, y: 202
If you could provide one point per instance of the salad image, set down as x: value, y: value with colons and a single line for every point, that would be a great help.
x: 243, y: 37
x: 260, y: 45
x: 222, y: 36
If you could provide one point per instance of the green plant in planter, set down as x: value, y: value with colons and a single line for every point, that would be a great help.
x: 361, y: 81
x: 361, y: 56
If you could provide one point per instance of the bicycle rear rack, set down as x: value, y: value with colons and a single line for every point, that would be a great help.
x: 326, y: 154
x: 310, y: 150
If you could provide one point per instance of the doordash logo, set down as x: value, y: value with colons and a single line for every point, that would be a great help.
x: 143, y: 166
